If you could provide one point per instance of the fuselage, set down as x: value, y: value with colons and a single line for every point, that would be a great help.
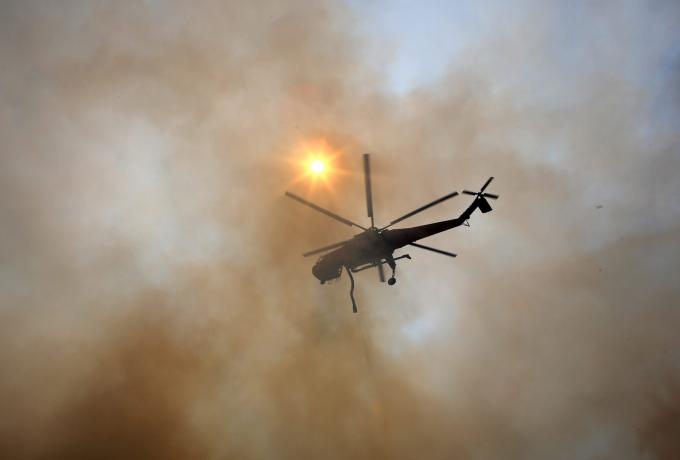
x: 366, y: 247
x: 374, y: 245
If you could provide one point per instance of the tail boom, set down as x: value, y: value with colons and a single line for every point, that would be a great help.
x: 403, y: 236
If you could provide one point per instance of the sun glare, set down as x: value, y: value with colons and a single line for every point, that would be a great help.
x: 317, y: 166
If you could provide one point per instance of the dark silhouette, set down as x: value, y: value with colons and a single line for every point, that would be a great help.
x: 375, y: 246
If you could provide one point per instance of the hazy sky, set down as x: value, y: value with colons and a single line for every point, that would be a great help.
x: 153, y: 298
x: 419, y: 39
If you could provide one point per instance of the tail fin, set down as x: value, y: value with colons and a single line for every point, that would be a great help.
x: 483, y: 205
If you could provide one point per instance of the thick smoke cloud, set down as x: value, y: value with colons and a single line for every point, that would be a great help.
x: 153, y: 302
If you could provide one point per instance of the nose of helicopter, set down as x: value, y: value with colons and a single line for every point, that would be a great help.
x: 325, y: 270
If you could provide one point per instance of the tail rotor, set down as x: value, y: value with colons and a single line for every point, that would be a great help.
x: 484, y: 205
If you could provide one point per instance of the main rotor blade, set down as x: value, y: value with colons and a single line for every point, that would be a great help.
x: 422, y: 208
x: 493, y: 196
x: 367, y: 183
x: 468, y: 192
x: 324, y: 211
x: 439, y: 251
x: 324, y: 249
x: 486, y: 184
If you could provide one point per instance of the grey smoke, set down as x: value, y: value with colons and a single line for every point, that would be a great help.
x: 154, y: 303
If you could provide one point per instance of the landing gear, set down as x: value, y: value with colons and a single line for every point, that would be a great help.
x: 393, y: 265
x: 389, y: 260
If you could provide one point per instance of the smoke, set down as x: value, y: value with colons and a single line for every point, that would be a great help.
x: 153, y: 301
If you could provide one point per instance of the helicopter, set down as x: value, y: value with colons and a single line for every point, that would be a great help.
x: 375, y: 246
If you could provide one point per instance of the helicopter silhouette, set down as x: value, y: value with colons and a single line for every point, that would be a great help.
x: 375, y: 246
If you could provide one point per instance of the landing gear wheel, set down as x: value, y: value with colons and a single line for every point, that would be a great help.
x: 391, y: 281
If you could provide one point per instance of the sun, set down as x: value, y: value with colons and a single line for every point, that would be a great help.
x: 316, y: 163
x: 317, y: 166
